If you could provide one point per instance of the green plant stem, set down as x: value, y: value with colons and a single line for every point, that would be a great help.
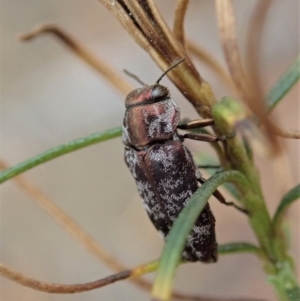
x: 59, y: 151
x: 277, y: 265
x: 238, y: 248
x: 286, y: 280
x: 225, y: 111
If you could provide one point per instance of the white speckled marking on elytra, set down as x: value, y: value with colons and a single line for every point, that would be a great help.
x: 132, y: 160
x: 125, y: 135
x: 196, y: 229
x: 149, y: 201
x: 145, y: 190
x: 162, y: 121
x: 161, y: 234
x: 161, y: 156
x: 190, y: 239
x: 183, y: 196
x: 170, y: 183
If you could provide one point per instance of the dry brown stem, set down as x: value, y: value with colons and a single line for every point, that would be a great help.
x: 211, y: 62
x: 227, y: 27
x: 56, y: 288
x: 145, y: 24
x: 178, y: 25
x: 289, y: 134
x: 76, y: 231
x: 83, y: 53
x: 253, y: 43
x: 248, y: 93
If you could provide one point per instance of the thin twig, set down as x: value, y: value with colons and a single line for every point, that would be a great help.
x: 253, y: 44
x: 82, y: 52
x: 254, y: 40
x: 178, y: 25
x: 255, y: 101
x: 289, y: 134
x: 73, y: 228
x: 144, y: 22
x: 55, y: 288
x: 227, y: 30
x: 211, y: 62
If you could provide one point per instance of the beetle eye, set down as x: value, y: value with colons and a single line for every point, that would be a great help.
x: 159, y: 92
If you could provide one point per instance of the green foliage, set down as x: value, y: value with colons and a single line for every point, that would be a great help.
x: 283, y: 85
x: 58, y: 151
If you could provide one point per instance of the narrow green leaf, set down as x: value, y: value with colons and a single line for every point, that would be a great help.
x: 286, y: 201
x: 239, y: 247
x: 59, y: 151
x: 283, y: 85
x: 204, y: 159
x: 177, y: 237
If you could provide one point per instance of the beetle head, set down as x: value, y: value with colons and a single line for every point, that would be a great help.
x: 148, y: 94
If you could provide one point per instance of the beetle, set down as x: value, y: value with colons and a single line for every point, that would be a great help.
x: 162, y: 166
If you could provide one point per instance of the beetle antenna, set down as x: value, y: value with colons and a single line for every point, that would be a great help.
x: 170, y: 68
x: 135, y: 77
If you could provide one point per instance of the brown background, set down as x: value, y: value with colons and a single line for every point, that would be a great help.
x: 50, y: 97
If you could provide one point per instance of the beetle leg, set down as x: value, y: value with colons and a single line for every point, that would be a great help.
x: 206, y: 137
x: 196, y: 124
x: 210, y: 166
x: 218, y: 195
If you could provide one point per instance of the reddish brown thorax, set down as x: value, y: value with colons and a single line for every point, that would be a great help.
x: 151, y: 115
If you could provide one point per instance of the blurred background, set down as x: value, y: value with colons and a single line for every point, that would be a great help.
x: 50, y: 97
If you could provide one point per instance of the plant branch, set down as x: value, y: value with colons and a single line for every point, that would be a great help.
x: 58, y: 151
x: 178, y: 25
x: 75, y: 230
x: 83, y: 53
x: 277, y: 264
x: 226, y: 113
x: 253, y: 45
x: 55, y: 288
x: 240, y: 247
x: 289, y: 134
x: 143, y: 21
x: 211, y: 62
x: 248, y: 92
x: 227, y: 28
